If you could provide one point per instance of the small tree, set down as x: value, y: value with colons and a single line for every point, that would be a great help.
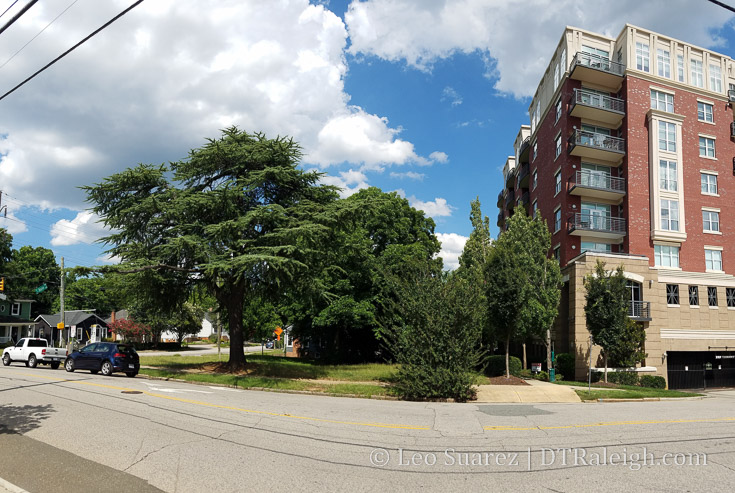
x: 606, y: 311
x: 131, y: 330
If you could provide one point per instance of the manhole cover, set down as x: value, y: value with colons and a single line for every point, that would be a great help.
x: 515, y: 410
x: 132, y: 392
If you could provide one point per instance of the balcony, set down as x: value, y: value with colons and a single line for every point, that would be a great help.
x: 510, y: 199
x: 501, y: 199
x: 640, y: 310
x: 523, y: 175
x: 586, y: 224
x: 595, y: 106
x: 501, y: 220
x: 597, y: 70
x: 596, y: 146
x: 525, y: 150
x: 588, y: 183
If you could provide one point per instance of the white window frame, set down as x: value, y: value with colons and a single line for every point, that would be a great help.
x: 697, y: 72
x: 535, y: 208
x: 557, y: 182
x: 535, y: 179
x: 15, y: 310
x: 642, y: 56
x: 667, y: 175
x: 705, y: 112
x: 666, y: 254
x: 662, y: 101
x: 557, y: 146
x: 663, y: 63
x: 713, y: 259
x: 680, y: 67
x: 709, y: 174
x: 707, y: 150
x: 715, y: 78
x: 711, y: 220
x: 557, y: 219
x: 535, y: 150
x: 670, y: 215
x: 557, y: 107
x: 666, y: 136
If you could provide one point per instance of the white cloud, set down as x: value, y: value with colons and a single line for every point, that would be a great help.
x: 140, y: 91
x: 439, y: 157
x: 12, y: 224
x: 452, y: 246
x: 108, y: 259
x: 84, y: 228
x: 436, y: 208
x: 449, y: 94
x: 396, y: 30
x: 408, y: 174
x: 357, y: 179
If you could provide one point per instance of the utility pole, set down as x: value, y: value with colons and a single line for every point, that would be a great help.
x: 61, y: 304
x: 219, y: 337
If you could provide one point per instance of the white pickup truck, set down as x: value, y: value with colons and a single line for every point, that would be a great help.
x: 32, y: 351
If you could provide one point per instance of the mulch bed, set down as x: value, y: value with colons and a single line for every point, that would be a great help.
x: 507, y: 381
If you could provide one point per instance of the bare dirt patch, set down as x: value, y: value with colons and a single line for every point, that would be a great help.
x: 507, y: 381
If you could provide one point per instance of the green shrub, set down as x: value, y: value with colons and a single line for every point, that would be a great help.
x: 564, y: 364
x: 542, y: 375
x: 653, y: 382
x: 525, y: 374
x: 558, y: 377
x: 496, y: 366
x: 212, y: 339
x: 623, y: 377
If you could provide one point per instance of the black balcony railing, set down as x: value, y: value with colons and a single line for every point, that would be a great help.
x: 595, y: 222
x: 524, y: 199
x: 596, y: 141
x: 598, y: 62
x: 601, y: 181
x: 640, y: 310
x: 510, y: 198
x: 597, y: 100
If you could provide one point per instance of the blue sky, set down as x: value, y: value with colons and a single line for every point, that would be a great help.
x: 416, y: 96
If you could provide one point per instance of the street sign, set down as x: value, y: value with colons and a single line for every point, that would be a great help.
x: 41, y: 288
x: 278, y: 331
x: 60, y: 325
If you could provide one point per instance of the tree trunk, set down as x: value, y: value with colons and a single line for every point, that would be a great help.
x: 605, y: 366
x: 234, y: 302
x: 507, y: 357
x: 525, y: 365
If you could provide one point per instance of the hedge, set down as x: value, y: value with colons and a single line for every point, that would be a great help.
x: 652, y: 381
x: 623, y: 377
x: 564, y: 364
x: 496, y: 366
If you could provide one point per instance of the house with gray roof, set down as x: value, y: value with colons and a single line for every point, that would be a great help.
x: 76, y: 322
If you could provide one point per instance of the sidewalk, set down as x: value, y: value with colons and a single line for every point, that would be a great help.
x: 536, y: 391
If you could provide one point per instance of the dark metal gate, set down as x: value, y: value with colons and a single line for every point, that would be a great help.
x: 701, y: 369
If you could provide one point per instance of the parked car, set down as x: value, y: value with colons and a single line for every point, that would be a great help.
x: 269, y: 345
x: 32, y: 351
x: 105, y: 357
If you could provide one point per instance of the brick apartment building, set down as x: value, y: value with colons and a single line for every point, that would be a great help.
x: 630, y: 158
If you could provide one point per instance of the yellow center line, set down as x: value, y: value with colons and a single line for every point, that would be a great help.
x: 611, y: 423
x: 231, y: 408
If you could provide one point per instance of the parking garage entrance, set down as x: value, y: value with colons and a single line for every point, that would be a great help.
x: 701, y: 369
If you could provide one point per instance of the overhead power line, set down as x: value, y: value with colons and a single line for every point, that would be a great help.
x: 724, y: 6
x: 105, y: 25
x: 17, y: 16
x: 11, y: 6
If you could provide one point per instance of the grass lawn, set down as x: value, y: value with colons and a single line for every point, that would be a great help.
x: 625, y: 392
x: 273, y: 371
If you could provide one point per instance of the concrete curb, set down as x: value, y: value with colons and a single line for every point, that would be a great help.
x: 8, y: 486
x: 266, y: 389
x: 646, y: 399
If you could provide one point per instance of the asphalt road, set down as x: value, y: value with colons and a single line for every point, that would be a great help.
x: 83, y: 432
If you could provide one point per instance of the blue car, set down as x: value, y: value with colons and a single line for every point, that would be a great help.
x: 104, y: 357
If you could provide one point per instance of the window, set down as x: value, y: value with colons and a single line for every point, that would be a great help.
x: 712, y: 296
x: 535, y: 209
x: 696, y: 73
x: 662, y: 101
x: 680, y: 67
x: 595, y: 175
x: 535, y: 151
x: 715, y: 78
x: 711, y: 221
x: 667, y: 136
x: 704, y: 112
x: 666, y: 256
x: 558, y: 110
x: 563, y: 61
x: 557, y: 253
x: 15, y: 309
x: 591, y: 246
x: 557, y: 182
x: 670, y: 215
x: 713, y: 259
x: 557, y: 220
x: 709, y: 183
x: 694, y: 295
x: 535, y: 180
x: 641, y: 56
x: 730, y: 297
x: 556, y: 77
x: 663, y: 62
x: 706, y: 147
x: 667, y: 175
x: 557, y: 144
x: 672, y: 294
